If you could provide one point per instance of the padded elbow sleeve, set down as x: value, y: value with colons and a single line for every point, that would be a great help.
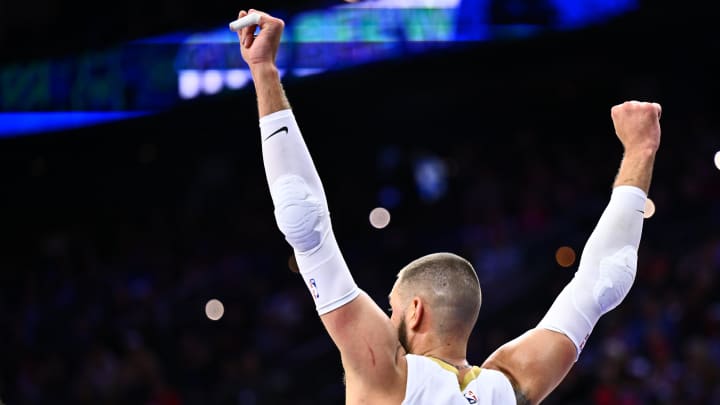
x: 615, y: 277
x: 606, y: 271
x: 301, y: 212
x: 300, y: 216
x: 304, y: 220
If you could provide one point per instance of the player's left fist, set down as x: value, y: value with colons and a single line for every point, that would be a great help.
x: 637, y: 124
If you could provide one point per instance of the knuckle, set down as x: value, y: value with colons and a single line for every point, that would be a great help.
x: 621, y: 108
x: 649, y: 109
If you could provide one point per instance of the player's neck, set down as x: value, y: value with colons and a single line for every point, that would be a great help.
x: 447, y: 349
x: 458, y: 365
x: 453, y: 355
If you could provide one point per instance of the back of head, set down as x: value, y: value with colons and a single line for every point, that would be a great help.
x: 450, y: 288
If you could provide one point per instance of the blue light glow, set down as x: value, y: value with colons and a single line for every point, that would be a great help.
x: 21, y: 123
x: 156, y: 73
x: 430, y: 178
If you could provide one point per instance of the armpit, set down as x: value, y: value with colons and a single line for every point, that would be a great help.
x: 520, y: 396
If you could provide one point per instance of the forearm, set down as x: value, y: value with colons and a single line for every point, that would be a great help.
x: 268, y: 88
x: 636, y: 169
x: 286, y: 153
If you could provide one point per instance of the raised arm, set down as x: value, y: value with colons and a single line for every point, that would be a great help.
x: 368, y: 343
x: 537, y: 361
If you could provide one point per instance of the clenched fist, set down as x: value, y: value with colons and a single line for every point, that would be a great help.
x: 263, y: 48
x: 637, y: 124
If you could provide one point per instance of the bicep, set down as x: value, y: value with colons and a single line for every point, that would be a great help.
x: 367, y: 341
x: 536, y: 362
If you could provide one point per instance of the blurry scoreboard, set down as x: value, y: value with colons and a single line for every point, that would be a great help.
x: 153, y: 74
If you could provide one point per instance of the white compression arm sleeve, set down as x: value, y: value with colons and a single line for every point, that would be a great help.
x: 606, y: 270
x: 301, y: 212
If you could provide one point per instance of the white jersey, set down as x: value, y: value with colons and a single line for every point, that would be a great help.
x: 432, y: 382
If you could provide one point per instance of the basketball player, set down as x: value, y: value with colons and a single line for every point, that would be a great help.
x: 418, y: 354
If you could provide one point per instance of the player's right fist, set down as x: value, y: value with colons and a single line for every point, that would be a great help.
x: 637, y: 124
x: 261, y: 48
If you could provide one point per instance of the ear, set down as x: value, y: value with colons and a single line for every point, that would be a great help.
x: 417, y: 312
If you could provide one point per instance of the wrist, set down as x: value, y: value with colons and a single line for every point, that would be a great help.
x: 264, y: 70
x: 268, y: 87
x: 641, y: 153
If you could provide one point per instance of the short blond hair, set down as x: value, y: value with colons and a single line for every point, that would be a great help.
x: 450, y: 286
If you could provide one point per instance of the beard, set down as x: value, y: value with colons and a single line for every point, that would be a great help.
x: 402, y: 335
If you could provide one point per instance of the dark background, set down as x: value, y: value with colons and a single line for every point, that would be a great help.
x: 114, y: 237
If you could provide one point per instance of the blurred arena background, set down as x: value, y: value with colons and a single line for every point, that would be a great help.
x: 139, y: 258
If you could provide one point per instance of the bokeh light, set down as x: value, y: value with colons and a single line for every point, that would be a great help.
x: 214, y: 309
x: 649, y: 208
x: 717, y: 159
x: 188, y: 83
x: 236, y: 78
x: 292, y: 264
x: 431, y: 178
x: 212, y: 81
x: 379, y: 217
x: 565, y: 256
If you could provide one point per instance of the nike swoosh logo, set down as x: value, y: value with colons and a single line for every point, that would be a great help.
x: 285, y: 129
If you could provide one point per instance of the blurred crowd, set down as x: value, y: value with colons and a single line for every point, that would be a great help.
x: 112, y: 244
x: 109, y: 307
